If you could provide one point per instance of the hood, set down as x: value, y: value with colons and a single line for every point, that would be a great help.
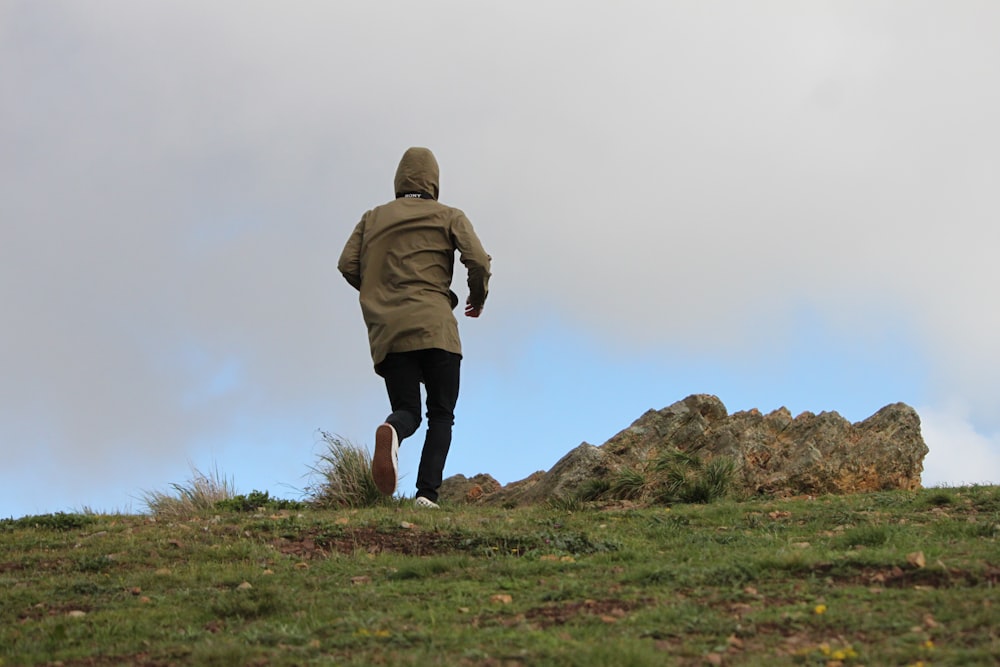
x: 417, y: 172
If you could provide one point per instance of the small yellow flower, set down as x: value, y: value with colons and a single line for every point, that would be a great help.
x: 824, y: 648
x: 929, y: 645
x: 820, y: 609
x: 839, y: 654
x: 365, y: 632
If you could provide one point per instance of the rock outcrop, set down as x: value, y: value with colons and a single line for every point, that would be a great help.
x: 775, y: 454
x: 459, y: 488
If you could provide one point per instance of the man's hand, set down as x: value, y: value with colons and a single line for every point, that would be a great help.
x: 472, y: 311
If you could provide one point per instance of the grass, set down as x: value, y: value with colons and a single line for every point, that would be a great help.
x: 688, y: 479
x: 673, y: 477
x: 344, y: 474
x: 833, y: 580
x: 342, y: 479
x: 201, y: 493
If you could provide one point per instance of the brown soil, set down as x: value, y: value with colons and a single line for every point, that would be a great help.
x: 408, y: 542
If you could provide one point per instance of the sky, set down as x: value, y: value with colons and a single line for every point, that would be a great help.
x: 779, y: 203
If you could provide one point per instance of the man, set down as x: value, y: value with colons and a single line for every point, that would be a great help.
x: 401, y: 258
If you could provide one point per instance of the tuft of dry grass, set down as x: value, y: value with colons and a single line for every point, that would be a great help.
x: 345, y: 472
x: 198, y: 494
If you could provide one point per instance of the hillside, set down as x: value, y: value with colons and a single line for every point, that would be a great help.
x: 900, y: 577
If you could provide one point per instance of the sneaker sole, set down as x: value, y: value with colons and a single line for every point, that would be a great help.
x: 382, y: 468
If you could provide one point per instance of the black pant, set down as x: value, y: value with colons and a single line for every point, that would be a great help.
x: 439, y: 371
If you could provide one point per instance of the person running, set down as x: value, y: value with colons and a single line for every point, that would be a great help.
x: 401, y: 258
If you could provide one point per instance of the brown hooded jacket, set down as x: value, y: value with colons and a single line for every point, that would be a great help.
x: 401, y: 258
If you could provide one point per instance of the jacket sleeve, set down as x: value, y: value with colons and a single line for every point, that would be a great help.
x: 474, y: 257
x: 350, y: 259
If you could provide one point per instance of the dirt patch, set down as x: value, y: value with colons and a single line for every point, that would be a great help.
x: 609, y: 611
x: 53, y: 565
x: 929, y: 577
x: 12, y: 567
x: 405, y: 541
x: 410, y: 540
x: 136, y: 660
x: 40, y: 611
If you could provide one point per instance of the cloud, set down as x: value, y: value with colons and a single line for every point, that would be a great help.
x: 959, y: 454
x: 177, y: 181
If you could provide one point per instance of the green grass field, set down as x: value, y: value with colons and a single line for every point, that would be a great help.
x: 893, y: 578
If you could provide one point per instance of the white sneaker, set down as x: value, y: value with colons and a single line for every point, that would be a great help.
x: 385, y: 462
x: 425, y: 503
